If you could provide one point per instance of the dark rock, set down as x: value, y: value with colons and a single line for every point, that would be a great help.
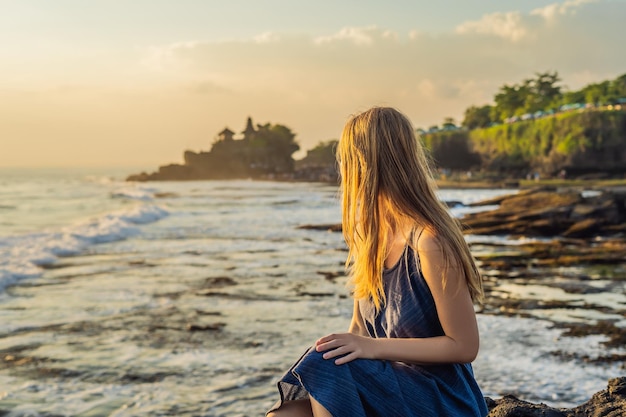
x: 166, y: 194
x: 454, y: 203
x: 324, y: 227
x: 551, y: 213
x: 616, y: 335
x: 496, y: 201
x: 617, y: 386
x: 608, y: 403
x: 219, y: 282
x: 205, y: 327
x: 331, y: 276
x: 510, y: 406
x: 584, y: 227
x: 315, y: 294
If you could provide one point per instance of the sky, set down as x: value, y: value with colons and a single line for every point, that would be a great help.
x: 138, y: 82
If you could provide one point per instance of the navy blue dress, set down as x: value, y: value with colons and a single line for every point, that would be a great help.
x: 380, y: 388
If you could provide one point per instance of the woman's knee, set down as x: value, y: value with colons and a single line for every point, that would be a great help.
x: 297, y: 408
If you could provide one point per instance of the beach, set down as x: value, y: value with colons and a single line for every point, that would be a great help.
x: 192, y: 298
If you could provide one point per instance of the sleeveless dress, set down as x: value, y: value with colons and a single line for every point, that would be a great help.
x: 380, y: 388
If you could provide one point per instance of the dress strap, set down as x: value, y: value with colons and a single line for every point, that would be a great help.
x: 415, y: 249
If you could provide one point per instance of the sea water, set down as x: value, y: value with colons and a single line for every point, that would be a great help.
x: 192, y: 298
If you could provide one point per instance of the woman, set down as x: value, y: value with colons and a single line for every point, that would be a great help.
x: 413, y: 332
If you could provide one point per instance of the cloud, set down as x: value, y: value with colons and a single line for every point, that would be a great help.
x: 312, y: 83
x: 552, y: 11
x: 431, y: 75
x: 516, y: 26
x: 505, y: 25
x: 267, y: 37
x: 357, y: 36
x: 375, y: 62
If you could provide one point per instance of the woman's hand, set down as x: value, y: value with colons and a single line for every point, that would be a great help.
x: 351, y: 345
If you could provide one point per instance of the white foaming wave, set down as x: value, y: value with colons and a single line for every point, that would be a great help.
x: 461, y: 210
x: 138, y: 192
x: 21, y: 256
x: 132, y: 194
x: 144, y: 214
x: 100, y: 179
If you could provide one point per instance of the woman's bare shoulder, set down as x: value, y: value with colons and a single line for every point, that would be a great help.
x: 427, y: 241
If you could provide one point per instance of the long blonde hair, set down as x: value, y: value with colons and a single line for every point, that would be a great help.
x: 386, y: 181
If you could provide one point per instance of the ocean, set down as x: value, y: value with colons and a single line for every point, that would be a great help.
x: 192, y: 298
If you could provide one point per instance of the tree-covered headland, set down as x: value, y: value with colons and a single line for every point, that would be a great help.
x: 538, y: 126
x: 262, y: 152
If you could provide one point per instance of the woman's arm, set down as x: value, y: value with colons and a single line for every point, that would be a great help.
x: 356, y: 325
x: 456, y: 314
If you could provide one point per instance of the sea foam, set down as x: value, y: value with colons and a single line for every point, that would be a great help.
x: 22, y: 256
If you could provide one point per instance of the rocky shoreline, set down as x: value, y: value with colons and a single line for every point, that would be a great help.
x: 607, y: 403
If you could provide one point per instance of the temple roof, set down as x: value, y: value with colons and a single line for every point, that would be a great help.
x: 249, y: 128
x: 226, y: 132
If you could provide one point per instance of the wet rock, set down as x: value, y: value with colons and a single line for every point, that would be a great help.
x: 510, y: 406
x: 584, y: 227
x: 208, y: 313
x: 205, y: 327
x: 543, y: 212
x: 331, y: 276
x: 219, y: 282
x: 145, y: 378
x: 607, y: 403
x: 454, y: 203
x: 12, y: 360
x: 616, y: 335
x: 603, y: 359
x: 315, y: 294
x: 324, y: 227
x: 496, y: 201
x: 556, y: 253
x: 166, y: 194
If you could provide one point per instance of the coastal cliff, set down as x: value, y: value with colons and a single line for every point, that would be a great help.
x: 575, y: 143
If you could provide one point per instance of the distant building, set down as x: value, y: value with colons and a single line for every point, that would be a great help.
x: 226, y: 134
x: 249, y: 131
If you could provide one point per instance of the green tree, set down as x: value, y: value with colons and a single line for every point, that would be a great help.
x: 476, y: 117
x: 511, y: 100
x: 452, y: 150
x: 532, y: 95
x: 619, y: 86
x: 597, y: 93
x: 448, y: 123
x: 572, y: 97
x: 271, y: 148
x: 544, y: 91
x: 322, y: 154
